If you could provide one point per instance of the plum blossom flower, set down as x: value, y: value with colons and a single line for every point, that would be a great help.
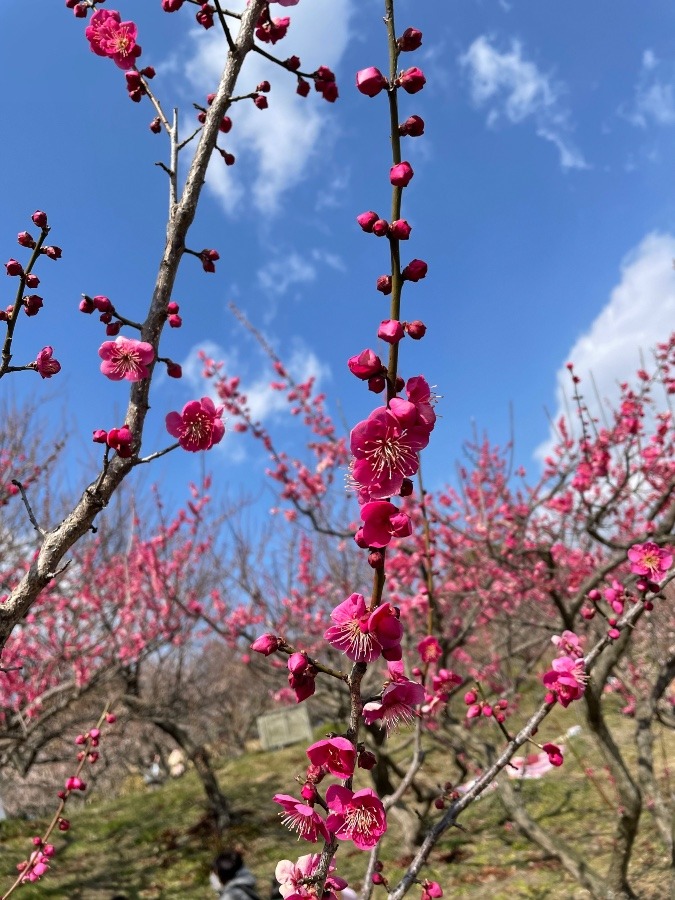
x: 650, y: 559
x: 363, y: 636
x: 299, y: 817
x: 109, y: 36
x: 199, y: 426
x: 337, y: 755
x: 382, y: 521
x: 371, y: 81
x: 126, y: 358
x: 385, y: 452
x: 554, y: 754
x: 292, y: 875
x: 567, y: 679
x: 396, y: 706
x: 429, y: 649
x: 45, y: 363
x: 431, y: 890
x: 356, y: 816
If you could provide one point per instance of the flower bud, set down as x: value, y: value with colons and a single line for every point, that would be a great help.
x: 366, y: 760
x: 367, y: 220
x: 156, y: 125
x: 391, y: 331
x: 302, y: 88
x: 308, y: 792
x: 14, y: 267
x: 112, y: 329
x: 365, y: 365
x: 297, y: 663
x: 260, y: 101
x: 380, y: 228
x: 412, y: 80
x: 376, y: 559
x: 63, y: 824
x: 407, y: 488
x: 266, y: 644
x: 40, y: 218
x: 225, y: 125
x: 416, y: 330
x: 174, y: 370
x: 25, y: 239
x: 377, y: 878
x: 371, y: 81
x: 411, y: 39
x: 401, y: 174
x: 400, y: 229
x: 377, y: 384
x: 384, y: 284
x: 470, y: 697
x: 412, y: 127
x: 415, y: 270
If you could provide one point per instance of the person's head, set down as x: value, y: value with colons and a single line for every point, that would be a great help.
x: 225, y: 867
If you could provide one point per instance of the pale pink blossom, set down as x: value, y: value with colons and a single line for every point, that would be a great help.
x: 292, y: 875
x: 357, y: 817
x: 567, y: 679
x: 650, y: 559
x: 429, y: 649
x: 199, y: 426
x: 126, y: 358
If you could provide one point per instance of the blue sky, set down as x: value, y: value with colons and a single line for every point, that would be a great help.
x: 542, y: 201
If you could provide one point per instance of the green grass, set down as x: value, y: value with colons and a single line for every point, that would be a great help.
x: 149, y: 843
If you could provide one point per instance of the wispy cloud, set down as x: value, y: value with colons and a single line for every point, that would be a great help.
x: 278, y: 275
x: 279, y: 142
x: 654, y: 100
x: 639, y: 314
x: 513, y: 89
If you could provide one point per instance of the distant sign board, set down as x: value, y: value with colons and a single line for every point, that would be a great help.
x: 287, y: 726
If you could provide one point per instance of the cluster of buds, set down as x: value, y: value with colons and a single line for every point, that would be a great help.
x: 106, y: 310
x: 117, y: 439
x: 269, y: 30
x: 135, y: 85
x: 477, y: 707
x: 209, y: 259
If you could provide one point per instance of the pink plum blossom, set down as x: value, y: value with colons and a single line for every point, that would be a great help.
x: 385, y: 452
x: 45, y: 363
x: 109, y: 36
x: 650, y: 559
x: 365, y: 365
x: 429, y: 649
x: 303, y: 819
x: 396, y: 706
x: 554, y: 754
x: 567, y: 679
x: 391, y: 331
x: 337, y: 755
x: 363, y: 636
x: 356, y: 816
x: 291, y: 877
x: 382, y: 521
x: 126, y: 358
x: 199, y: 426
x: 412, y: 80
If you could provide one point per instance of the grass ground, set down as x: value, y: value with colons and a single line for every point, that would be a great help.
x: 150, y: 844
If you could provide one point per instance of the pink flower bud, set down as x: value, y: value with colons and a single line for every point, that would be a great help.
x: 156, y: 125
x: 377, y: 384
x: 111, y: 718
x: 297, y: 663
x: 87, y: 305
x: 401, y: 174
x: 32, y: 281
x: 407, y: 488
x: 555, y: 757
x: 302, y: 88
x: 14, y: 267
x: 225, y: 125
x: 613, y: 634
x: 40, y: 218
x: 380, y: 228
x: 261, y: 101
x: 81, y: 739
x: 371, y: 81
x: 376, y: 559
x: 94, y: 734
x: 384, y: 284
x: 174, y: 370
x: 264, y: 87
x: 100, y: 437
x: 175, y: 321
x: 411, y: 39
x: 487, y: 710
x: 470, y: 697
x: 292, y: 63
x: 412, y: 80
x: 594, y: 595
x: 416, y: 330
x: 367, y: 219
x: 366, y: 760
x: 415, y: 270
x: 377, y: 878
x: 52, y: 252
x: 25, y: 239
x: 112, y: 329
x: 266, y: 644
x: 365, y: 365
x: 412, y: 127
x: 473, y: 711
x: 400, y: 229
x: 391, y: 331
x: 63, y: 824
x: 587, y: 612
x: 32, y: 304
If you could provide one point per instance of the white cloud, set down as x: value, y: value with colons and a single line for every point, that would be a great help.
x: 640, y: 313
x: 278, y: 275
x: 277, y: 142
x: 654, y: 100
x: 514, y: 89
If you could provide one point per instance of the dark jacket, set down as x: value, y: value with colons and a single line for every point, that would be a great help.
x: 241, y: 887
